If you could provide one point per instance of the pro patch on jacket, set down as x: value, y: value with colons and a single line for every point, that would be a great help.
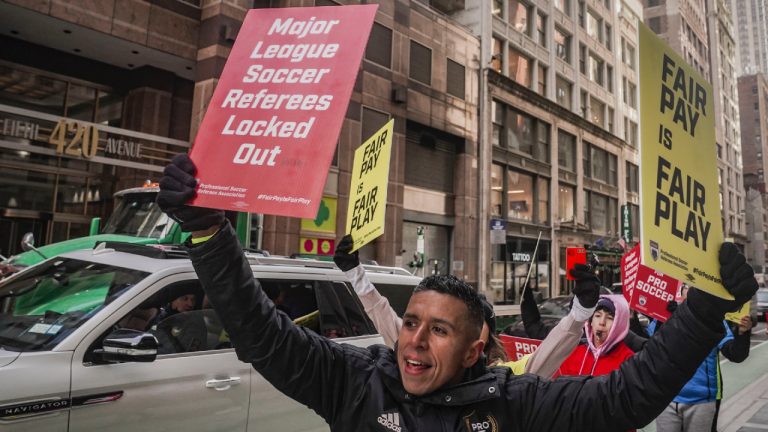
x: 481, y: 422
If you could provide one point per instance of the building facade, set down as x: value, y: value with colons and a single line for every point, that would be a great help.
x: 92, y: 100
x: 145, y: 72
x: 753, y: 109
x: 751, y: 27
x: 558, y: 136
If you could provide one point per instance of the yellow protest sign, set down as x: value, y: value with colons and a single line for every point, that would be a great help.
x: 680, y: 220
x: 739, y: 314
x: 368, y: 190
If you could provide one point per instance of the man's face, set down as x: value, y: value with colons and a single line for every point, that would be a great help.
x: 436, y: 342
x: 184, y: 303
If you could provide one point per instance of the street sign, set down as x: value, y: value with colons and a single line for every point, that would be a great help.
x: 498, y: 231
x: 626, y: 223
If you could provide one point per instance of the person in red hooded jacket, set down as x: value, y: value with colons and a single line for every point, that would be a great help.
x: 604, y: 350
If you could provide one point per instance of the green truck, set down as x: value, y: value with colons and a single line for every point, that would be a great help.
x: 136, y: 219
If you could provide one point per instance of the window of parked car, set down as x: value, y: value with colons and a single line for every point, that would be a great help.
x: 182, y: 320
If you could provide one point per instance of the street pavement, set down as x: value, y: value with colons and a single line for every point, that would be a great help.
x: 745, y: 390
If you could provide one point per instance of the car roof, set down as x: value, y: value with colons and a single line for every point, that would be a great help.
x: 154, y: 259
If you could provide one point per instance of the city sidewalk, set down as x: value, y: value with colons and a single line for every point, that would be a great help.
x: 745, y: 391
x: 745, y: 407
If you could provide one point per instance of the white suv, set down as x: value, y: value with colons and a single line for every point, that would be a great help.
x: 90, y: 341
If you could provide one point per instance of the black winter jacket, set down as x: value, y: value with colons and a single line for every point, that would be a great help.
x: 359, y: 389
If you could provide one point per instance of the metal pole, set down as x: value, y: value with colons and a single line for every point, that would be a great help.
x: 530, y: 267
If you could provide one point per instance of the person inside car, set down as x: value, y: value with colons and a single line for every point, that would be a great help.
x: 433, y: 379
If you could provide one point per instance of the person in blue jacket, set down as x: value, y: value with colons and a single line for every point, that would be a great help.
x: 697, y: 406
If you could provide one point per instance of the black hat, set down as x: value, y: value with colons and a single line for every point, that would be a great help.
x: 489, y: 315
x: 607, y: 304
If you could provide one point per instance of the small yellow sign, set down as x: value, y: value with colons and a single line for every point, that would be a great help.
x: 325, y: 221
x: 739, y: 314
x: 681, y: 230
x: 368, y: 189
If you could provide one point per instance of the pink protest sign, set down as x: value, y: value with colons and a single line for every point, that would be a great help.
x: 652, y: 293
x: 270, y: 132
x: 518, y: 347
x: 630, y: 263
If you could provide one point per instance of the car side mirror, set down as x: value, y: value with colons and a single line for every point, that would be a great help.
x: 126, y: 345
x: 28, y: 242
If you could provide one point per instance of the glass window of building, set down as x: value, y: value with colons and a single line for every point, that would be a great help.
x: 599, y: 159
x: 519, y: 196
x: 519, y: 67
x: 563, y: 6
x: 566, y: 151
x: 611, y: 115
x: 594, y: 25
x: 421, y: 63
x: 562, y: 45
x: 596, y: 66
x: 519, y: 15
x: 631, y: 94
x: 541, y: 28
x: 497, y: 189
x: 612, y: 217
x: 634, y: 219
x: 498, y: 57
x: 39, y: 91
x: 566, y: 203
x: 542, y: 198
x: 597, y: 111
x: 456, y: 79
x: 563, y: 92
x: 609, y: 77
x: 372, y: 121
x: 379, y: 48
x: 520, y: 131
x: 498, y: 124
x: 608, y: 36
x: 587, y: 206
x: 613, y: 173
x: 633, y: 176
x: 583, y: 59
x: 541, y: 149
x: 541, y: 78
x: 598, y: 213
x: 498, y: 8
x: 586, y: 160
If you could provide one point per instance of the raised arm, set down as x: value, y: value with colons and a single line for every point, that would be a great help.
x: 562, y: 339
x: 376, y: 306
x: 634, y: 395
x: 306, y: 367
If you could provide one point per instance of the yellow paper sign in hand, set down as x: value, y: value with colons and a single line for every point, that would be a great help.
x: 739, y: 314
x: 681, y: 232
x: 368, y: 189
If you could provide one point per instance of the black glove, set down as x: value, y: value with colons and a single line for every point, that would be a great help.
x: 587, y: 287
x: 671, y: 306
x: 738, y: 279
x: 344, y: 260
x: 177, y: 187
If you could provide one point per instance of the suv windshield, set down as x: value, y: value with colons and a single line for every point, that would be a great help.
x: 43, y: 305
x: 138, y: 215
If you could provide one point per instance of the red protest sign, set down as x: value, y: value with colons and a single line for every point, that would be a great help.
x: 652, y: 293
x: 573, y: 256
x: 630, y: 263
x: 518, y: 347
x: 269, y: 134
